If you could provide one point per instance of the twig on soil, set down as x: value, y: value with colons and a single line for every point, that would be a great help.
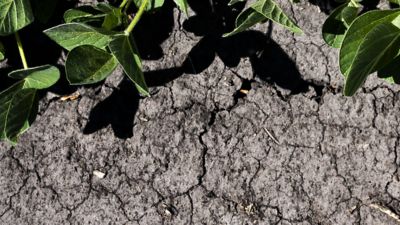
x: 272, y: 136
x: 387, y: 211
x: 71, y: 97
x: 243, y: 91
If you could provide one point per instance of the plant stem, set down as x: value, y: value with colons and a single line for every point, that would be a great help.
x: 123, y: 4
x: 127, y: 6
x: 21, y: 51
x: 136, y: 19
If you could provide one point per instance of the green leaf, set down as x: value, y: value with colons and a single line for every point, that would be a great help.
x: 356, y: 33
x: 124, y: 50
x: 2, y: 51
x: 377, y: 49
x: 272, y: 11
x: 32, y: 115
x: 19, y: 103
x: 37, y: 77
x: 71, y: 35
x: 182, y: 5
x: 245, y: 20
x: 259, y: 12
x: 16, y: 105
x: 335, y: 26
x: 349, y: 13
x: 14, y: 15
x: 113, y: 18
x: 87, y: 64
x: 151, y: 5
x: 397, y: 2
x: 391, y: 71
x: 83, y: 14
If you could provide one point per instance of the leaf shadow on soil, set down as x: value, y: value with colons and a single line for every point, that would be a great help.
x: 268, y: 60
x: 327, y: 6
x: 119, y: 109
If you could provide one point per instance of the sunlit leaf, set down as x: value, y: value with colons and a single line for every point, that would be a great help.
x: 125, y: 51
x: 335, y: 26
x: 379, y: 47
x: 261, y: 11
x: 14, y: 15
x: 37, y: 77
x: 356, y: 34
x: 71, y: 35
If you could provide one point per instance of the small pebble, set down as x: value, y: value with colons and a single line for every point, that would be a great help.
x: 99, y: 174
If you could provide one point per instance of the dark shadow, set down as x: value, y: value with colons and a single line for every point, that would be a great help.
x: 154, y: 28
x: 5, y: 80
x: 269, y: 61
x: 118, y: 109
x: 327, y: 6
x: 212, y: 19
x: 370, y: 5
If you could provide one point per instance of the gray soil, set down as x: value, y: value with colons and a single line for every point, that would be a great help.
x: 200, y: 153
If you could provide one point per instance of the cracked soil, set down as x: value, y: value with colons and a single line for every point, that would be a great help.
x: 231, y: 142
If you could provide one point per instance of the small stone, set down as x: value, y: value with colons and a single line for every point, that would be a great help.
x: 99, y: 174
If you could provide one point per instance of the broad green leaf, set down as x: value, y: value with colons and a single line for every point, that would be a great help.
x: 245, y: 20
x: 272, y: 11
x: 19, y: 103
x: 379, y: 47
x: 16, y: 106
x: 113, y: 18
x: 391, y: 72
x: 349, y: 13
x: 105, y: 8
x: 182, y: 5
x: 124, y: 50
x: 2, y: 51
x: 335, y: 26
x: 87, y: 64
x: 71, y: 35
x: 14, y: 15
x: 259, y: 12
x: 83, y: 14
x: 37, y: 77
x: 32, y: 115
x: 356, y: 33
x: 5, y: 101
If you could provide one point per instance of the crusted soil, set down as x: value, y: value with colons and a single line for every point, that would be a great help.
x: 249, y: 130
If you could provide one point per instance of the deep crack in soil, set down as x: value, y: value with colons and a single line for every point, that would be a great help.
x: 223, y: 145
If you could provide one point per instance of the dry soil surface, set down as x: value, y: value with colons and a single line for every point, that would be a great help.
x: 258, y: 134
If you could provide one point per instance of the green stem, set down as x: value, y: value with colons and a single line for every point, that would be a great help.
x: 136, y: 19
x: 127, y: 6
x: 123, y: 4
x: 21, y: 51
